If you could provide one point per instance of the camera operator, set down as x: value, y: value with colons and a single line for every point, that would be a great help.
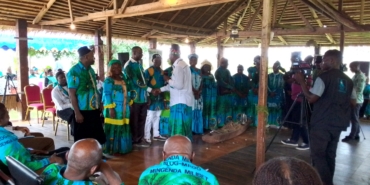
x: 332, y: 96
x: 299, y: 129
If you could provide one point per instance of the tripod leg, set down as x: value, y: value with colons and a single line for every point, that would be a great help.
x: 363, y: 134
x: 281, y: 125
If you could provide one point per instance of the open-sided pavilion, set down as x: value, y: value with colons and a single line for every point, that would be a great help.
x: 202, y: 22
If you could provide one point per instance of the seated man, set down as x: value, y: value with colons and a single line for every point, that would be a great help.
x: 9, y: 146
x: 50, y: 80
x: 177, y: 167
x: 34, y: 140
x: 84, y: 159
x: 61, y: 100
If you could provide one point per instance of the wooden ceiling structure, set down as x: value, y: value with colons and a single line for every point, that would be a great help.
x: 204, y: 22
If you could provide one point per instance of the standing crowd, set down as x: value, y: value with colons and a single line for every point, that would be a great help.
x: 138, y: 106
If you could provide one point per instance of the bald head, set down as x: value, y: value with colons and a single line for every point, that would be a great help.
x: 84, y: 155
x: 180, y: 145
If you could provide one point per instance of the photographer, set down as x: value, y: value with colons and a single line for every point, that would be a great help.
x: 332, y: 96
x: 299, y: 129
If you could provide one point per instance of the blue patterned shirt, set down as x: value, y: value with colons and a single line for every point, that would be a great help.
x: 177, y: 170
x: 9, y: 146
x: 83, y: 80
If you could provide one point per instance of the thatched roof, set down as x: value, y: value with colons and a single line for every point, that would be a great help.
x: 294, y: 22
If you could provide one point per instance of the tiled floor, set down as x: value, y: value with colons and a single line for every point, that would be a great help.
x: 232, y: 161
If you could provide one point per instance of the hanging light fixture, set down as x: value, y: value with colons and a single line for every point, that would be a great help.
x: 72, y: 26
x: 187, y: 40
x: 234, y: 32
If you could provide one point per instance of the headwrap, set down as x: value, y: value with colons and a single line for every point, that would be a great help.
x: 114, y: 62
x: 206, y: 62
x: 257, y: 59
x: 193, y: 56
x: 175, y: 52
x: 155, y: 56
x: 82, y: 51
x: 277, y: 62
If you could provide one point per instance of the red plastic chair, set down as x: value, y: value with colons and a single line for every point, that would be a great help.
x: 33, y: 100
x: 49, y: 106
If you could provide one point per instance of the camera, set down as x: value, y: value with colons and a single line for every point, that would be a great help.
x: 304, y: 68
x: 300, y: 66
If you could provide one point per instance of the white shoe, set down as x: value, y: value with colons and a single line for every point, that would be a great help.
x: 148, y: 141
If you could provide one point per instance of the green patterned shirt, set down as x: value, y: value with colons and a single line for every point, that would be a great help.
x: 53, y: 175
x: 83, y: 80
x: 177, y: 170
x: 135, y: 73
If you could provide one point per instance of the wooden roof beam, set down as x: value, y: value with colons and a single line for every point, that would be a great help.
x: 243, y: 14
x: 318, y: 7
x: 174, y: 36
x: 161, y: 29
x: 144, y: 9
x: 70, y: 10
x: 209, y: 19
x: 328, y: 35
x: 274, y: 13
x: 283, y: 40
x: 43, y: 11
x: 301, y: 15
x: 241, y: 7
x: 119, y: 11
x: 362, y: 11
x: 291, y: 32
x: 173, y: 24
x: 149, y: 33
x: 253, y: 18
x: 51, y: 28
x: 282, y: 13
x: 224, y: 15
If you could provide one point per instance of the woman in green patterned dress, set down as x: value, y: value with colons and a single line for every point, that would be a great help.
x: 116, y: 111
x: 165, y: 115
x: 275, y: 95
x: 209, y: 95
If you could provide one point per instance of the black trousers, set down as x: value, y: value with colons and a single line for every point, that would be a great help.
x: 91, y: 127
x: 137, y: 121
x: 69, y: 116
x: 323, y: 147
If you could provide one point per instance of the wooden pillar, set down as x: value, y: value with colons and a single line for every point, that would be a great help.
x: 153, y: 43
x: 341, y: 42
x: 108, y: 31
x: 220, y: 51
x: 99, y: 54
x: 192, y: 47
x: 262, y: 90
x: 22, y: 54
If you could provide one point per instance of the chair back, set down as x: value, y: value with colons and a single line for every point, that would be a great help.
x: 32, y: 93
x: 22, y: 174
x: 46, y: 98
